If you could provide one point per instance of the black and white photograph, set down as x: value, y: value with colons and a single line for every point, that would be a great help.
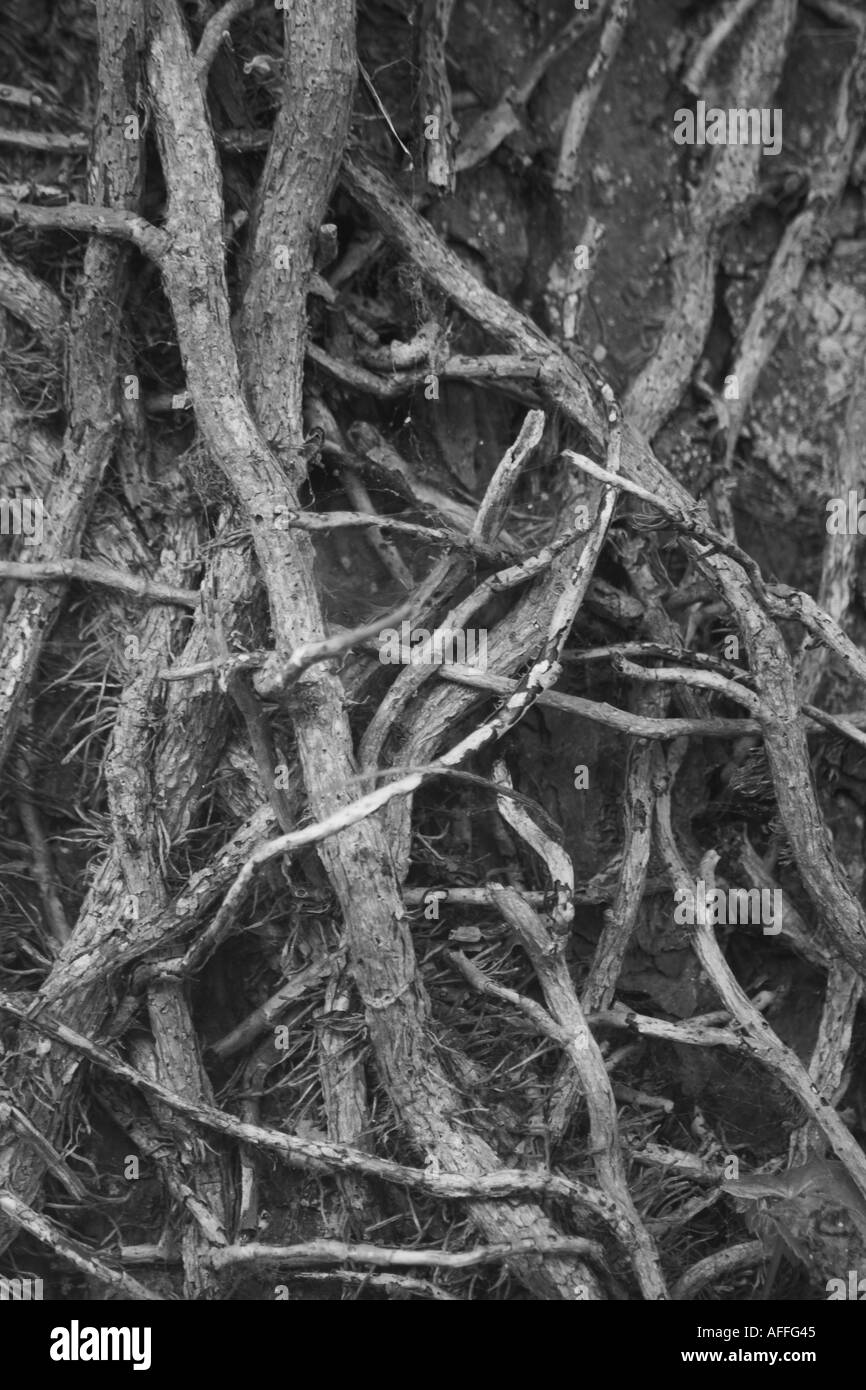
x: 432, y: 673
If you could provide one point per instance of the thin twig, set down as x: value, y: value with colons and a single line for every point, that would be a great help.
x: 336, y: 1252
x: 92, y: 572
x: 215, y: 31
x: 584, y: 102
